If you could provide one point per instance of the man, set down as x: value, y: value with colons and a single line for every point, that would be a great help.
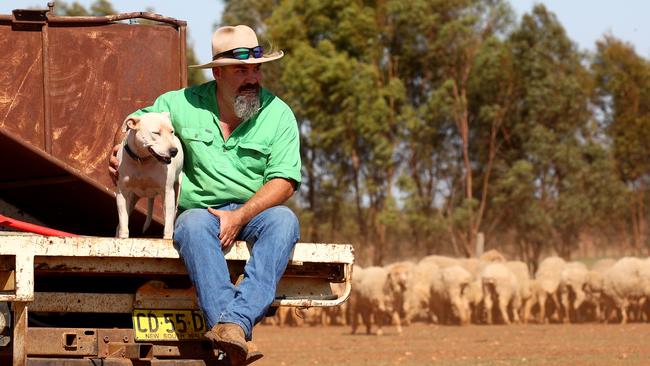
x: 242, y: 162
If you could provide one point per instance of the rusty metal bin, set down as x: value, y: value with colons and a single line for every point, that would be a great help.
x: 66, y: 84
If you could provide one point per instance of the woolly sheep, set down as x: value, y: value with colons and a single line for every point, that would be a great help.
x: 453, y: 282
x: 624, y: 283
x: 594, y: 286
x: 500, y: 284
x: 492, y: 255
x: 572, y: 281
x: 548, y: 278
x: 474, y: 291
x: 399, y: 278
x: 419, y: 302
x: 440, y: 260
x: 374, y: 297
x: 520, y: 270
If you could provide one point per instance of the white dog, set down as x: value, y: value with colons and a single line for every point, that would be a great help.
x: 149, y: 165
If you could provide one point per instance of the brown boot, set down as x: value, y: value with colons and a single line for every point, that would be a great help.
x: 253, y: 353
x: 230, y: 338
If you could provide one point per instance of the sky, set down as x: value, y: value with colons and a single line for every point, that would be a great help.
x: 585, y: 21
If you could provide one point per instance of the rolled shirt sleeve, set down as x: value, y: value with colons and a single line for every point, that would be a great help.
x: 284, y: 159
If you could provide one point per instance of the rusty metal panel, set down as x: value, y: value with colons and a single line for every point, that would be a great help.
x: 32, y: 361
x: 98, y: 75
x: 109, y: 338
x: 158, y: 266
x: 62, y: 341
x: 154, y: 295
x: 106, y: 346
x: 21, y: 84
x: 81, y: 302
x: 19, y: 338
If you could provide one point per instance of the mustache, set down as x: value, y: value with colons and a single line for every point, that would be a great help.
x: 249, y: 88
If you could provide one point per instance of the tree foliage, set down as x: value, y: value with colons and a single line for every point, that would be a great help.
x: 623, y: 96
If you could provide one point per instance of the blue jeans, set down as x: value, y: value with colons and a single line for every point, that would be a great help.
x: 273, y: 233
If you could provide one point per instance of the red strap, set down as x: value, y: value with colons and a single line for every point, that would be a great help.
x: 32, y: 228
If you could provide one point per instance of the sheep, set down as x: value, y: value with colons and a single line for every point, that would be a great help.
x: 624, y: 283
x: 572, y: 281
x: 440, y: 260
x: 374, y: 297
x: 500, y: 284
x: 472, y: 265
x: 594, y: 286
x: 492, y: 255
x: 536, y: 292
x: 474, y: 291
x: 419, y: 302
x: 520, y: 270
x: 448, y: 288
x: 548, y: 278
x: 399, y: 278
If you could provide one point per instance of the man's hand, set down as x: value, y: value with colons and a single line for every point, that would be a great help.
x: 231, y: 223
x: 113, y: 164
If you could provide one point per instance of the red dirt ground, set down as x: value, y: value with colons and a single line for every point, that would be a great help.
x: 422, y: 344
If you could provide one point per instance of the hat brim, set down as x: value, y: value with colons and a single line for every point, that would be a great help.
x: 231, y: 61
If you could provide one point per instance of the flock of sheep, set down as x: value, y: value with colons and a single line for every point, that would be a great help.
x: 489, y: 290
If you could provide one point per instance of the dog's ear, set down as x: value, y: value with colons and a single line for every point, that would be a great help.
x: 166, y: 114
x: 132, y: 123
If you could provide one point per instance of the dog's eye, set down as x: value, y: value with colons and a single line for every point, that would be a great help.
x: 156, y: 133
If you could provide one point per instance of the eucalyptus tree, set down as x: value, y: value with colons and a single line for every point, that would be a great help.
x: 551, y: 139
x: 459, y: 85
x: 339, y: 78
x: 623, y: 95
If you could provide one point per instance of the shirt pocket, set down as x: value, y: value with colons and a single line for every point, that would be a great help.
x: 253, y: 157
x: 203, y: 135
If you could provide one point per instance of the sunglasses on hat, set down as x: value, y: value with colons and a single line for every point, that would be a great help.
x: 241, y: 53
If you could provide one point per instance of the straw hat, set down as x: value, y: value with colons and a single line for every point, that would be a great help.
x: 229, y: 38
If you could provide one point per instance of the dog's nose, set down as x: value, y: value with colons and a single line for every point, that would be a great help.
x: 173, y: 151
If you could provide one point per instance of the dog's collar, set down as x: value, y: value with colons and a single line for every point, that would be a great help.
x: 133, y: 155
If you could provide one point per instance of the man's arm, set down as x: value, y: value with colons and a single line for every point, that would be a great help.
x: 119, y: 136
x: 274, y: 192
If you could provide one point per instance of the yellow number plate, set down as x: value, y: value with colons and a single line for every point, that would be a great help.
x: 168, y: 325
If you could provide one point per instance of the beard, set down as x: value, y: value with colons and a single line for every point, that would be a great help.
x: 247, y: 101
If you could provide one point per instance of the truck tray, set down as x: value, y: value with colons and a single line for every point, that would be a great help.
x: 98, y: 275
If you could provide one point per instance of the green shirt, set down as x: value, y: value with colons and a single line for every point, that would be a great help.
x: 218, y: 171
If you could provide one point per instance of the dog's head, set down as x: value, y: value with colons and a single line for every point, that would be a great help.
x: 153, y: 132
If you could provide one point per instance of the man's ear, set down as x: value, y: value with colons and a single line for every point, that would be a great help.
x: 132, y: 123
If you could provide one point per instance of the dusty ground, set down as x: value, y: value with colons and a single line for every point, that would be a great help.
x: 421, y: 344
